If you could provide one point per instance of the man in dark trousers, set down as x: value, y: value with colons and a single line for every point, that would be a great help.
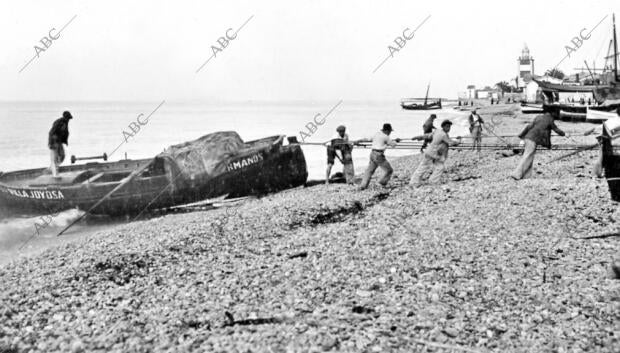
x: 58, y: 135
x: 340, y: 142
x: 537, y: 133
x: 428, y: 128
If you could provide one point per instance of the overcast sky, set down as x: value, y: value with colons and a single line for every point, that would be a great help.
x: 289, y: 50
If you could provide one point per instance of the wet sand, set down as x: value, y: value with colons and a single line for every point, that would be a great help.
x: 481, y: 262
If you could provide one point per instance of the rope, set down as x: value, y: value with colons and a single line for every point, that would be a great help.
x: 417, y: 145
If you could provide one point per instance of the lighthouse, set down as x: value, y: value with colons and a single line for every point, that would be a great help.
x: 525, y: 67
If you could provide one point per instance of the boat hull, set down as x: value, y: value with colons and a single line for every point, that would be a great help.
x: 611, y: 159
x: 575, y: 113
x: 255, y: 172
x: 421, y: 106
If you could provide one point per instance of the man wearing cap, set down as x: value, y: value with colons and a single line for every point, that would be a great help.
x: 340, y: 141
x: 380, y: 142
x: 538, y: 132
x: 435, y: 156
x: 428, y: 128
x: 58, y: 135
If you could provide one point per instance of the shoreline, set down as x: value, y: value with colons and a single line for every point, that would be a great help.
x: 481, y: 261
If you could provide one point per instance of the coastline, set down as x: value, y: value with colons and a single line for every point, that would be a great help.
x: 481, y: 261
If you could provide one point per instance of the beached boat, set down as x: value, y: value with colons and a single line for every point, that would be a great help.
x: 567, y: 115
x: 604, y: 97
x: 577, y: 112
x: 213, y: 165
x: 597, y: 116
x: 530, y: 108
x: 611, y: 157
x: 425, y: 103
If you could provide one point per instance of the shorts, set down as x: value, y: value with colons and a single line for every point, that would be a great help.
x: 331, y: 155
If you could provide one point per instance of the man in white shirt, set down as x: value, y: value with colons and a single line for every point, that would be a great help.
x: 475, y: 128
x: 435, y: 156
x: 340, y: 141
x: 380, y: 142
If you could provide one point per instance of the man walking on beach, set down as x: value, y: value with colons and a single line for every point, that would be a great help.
x: 340, y: 142
x: 537, y: 133
x: 58, y: 135
x: 428, y: 128
x: 435, y: 156
x: 380, y: 142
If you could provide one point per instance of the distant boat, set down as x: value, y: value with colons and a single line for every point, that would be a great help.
x: 213, y: 165
x: 421, y: 103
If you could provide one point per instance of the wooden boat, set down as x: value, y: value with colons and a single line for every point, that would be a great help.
x: 606, y: 97
x: 529, y: 108
x: 572, y: 116
x: 421, y: 103
x: 576, y: 112
x: 611, y: 157
x: 597, y: 116
x: 213, y: 165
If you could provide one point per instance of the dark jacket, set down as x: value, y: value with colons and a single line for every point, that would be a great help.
x: 539, y: 130
x: 428, y: 127
x: 59, y: 133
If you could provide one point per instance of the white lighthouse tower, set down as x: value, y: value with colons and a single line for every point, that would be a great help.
x: 525, y: 67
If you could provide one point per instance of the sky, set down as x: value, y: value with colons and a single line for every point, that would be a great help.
x: 288, y: 50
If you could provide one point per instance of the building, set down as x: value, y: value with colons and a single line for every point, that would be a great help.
x: 471, y: 91
x: 525, y: 67
x: 487, y: 93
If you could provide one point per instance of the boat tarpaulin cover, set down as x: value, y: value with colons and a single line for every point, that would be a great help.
x: 202, y: 158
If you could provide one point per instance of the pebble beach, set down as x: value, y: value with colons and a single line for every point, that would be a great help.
x: 480, y: 263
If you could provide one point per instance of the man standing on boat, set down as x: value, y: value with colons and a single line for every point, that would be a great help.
x: 380, y: 142
x: 340, y: 142
x: 537, y: 133
x: 434, y: 158
x: 58, y: 135
x: 428, y: 128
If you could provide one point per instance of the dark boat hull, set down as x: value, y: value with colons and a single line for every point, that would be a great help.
x: 278, y: 167
x: 421, y: 106
x: 575, y: 113
x: 611, y: 164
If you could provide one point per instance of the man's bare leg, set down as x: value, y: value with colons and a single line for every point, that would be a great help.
x: 328, y: 172
x: 53, y: 166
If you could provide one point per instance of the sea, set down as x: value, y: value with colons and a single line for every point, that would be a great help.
x: 143, y: 129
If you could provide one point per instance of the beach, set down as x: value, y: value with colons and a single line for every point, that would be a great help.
x: 480, y: 263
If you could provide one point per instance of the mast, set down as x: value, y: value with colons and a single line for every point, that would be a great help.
x: 427, y: 88
x: 615, y: 50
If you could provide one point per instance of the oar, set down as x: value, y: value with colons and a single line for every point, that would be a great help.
x: 574, y: 152
x: 123, y: 183
x: 582, y: 149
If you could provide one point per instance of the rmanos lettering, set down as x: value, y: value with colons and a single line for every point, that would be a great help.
x: 244, y: 162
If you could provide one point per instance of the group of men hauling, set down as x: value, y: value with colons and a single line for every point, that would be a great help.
x: 434, y: 149
x: 436, y: 144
